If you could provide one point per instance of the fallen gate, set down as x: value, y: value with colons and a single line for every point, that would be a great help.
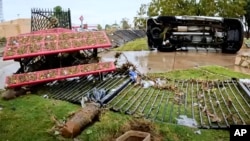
x: 208, y: 104
x: 212, y: 104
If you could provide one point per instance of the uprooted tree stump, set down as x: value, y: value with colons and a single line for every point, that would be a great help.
x: 79, y: 120
x: 12, y: 94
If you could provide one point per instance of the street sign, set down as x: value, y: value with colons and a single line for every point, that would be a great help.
x: 81, y: 18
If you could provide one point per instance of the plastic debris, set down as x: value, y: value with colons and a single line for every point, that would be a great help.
x: 96, y: 95
x: 133, y: 75
x: 147, y: 84
x: 184, y: 120
x: 197, y: 132
x: 45, y: 96
x: 244, y: 80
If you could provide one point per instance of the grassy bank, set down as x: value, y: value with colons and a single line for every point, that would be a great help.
x: 136, y: 45
x: 141, y: 44
x: 206, y: 72
x: 29, y: 117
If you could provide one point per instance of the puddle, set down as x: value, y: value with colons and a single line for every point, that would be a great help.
x: 148, y: 62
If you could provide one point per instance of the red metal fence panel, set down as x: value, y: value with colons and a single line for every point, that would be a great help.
x: 48, y: 42
x: 58, y: 74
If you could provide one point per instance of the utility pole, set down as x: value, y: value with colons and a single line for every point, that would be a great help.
x: 1, y: 11
x: 81, y: 19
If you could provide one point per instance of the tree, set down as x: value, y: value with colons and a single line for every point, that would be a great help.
x: 107, y: 27
x: 57, y: 9
x: 60, y: 17
x: 140, y: 19
x: 125, y: 23
x: 247, y: 17
x: 224, y: 8
x: 99, y: 27
x: 171, y: 7
x: 206, y: 8
x: 231, y: 8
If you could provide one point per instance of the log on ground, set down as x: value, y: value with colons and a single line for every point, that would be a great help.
x: 80, y: 120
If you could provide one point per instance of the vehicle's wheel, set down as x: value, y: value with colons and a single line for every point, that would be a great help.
x: 231, y: 48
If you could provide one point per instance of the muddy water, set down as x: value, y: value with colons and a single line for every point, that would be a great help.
x: 148, y: 62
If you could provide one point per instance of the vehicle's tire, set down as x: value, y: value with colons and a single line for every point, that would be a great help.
x: 230, y: 49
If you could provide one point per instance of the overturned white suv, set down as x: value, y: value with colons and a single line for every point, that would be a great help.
x: 168, y: 33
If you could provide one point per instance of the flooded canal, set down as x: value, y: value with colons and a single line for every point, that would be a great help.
x: 148, y: 62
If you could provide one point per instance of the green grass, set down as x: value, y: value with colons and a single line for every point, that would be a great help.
x: 205, y: 73
x: 29, y: 117
x: 136, y: 45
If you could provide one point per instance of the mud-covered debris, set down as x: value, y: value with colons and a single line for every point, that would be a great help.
x: 12, y: 94
x: 118, y: 54
x: 125, y: 67
x: 216, y: 119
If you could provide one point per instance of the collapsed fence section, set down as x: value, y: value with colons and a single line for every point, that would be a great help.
x: 121, y: 37
x: 74, y: 90
x: 213, y: 104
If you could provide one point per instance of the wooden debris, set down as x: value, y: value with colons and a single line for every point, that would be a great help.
x: 79, y: 120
